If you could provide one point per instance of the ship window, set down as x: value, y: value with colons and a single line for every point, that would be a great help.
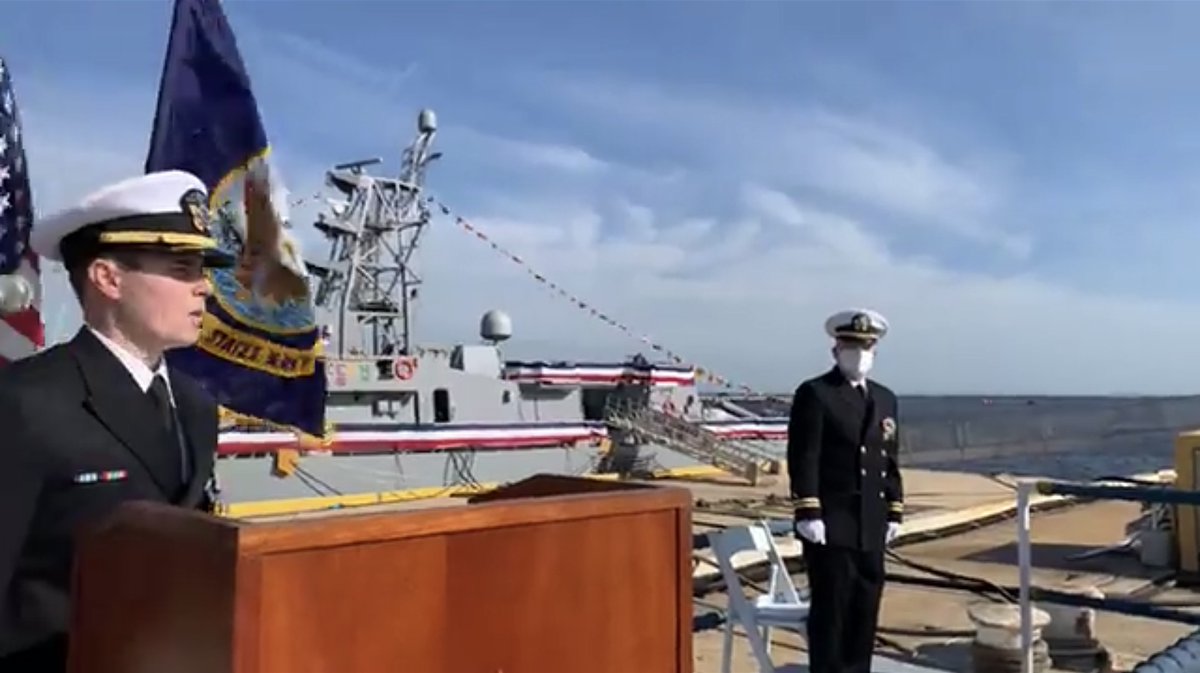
x: 441, y: 405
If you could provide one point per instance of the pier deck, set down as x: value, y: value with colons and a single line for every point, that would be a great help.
x: 935, y: 503
x: 934, y: 497
x: 954, y: 521
x: 930, y: 626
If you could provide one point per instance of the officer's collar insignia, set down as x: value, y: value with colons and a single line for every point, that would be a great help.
x: 192, y: 204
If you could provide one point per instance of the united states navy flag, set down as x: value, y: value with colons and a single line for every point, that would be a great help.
x: 259, y: 351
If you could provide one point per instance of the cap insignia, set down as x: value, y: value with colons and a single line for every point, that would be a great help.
x: 192, y: 204
x: 861, y: 323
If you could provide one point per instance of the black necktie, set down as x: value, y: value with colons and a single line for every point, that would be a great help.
x: 161, y: 398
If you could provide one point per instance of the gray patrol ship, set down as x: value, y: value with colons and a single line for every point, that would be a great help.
x: 409, y: 415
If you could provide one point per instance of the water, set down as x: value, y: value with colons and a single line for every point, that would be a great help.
x: 1137, y: 456
x: 1075, y: 438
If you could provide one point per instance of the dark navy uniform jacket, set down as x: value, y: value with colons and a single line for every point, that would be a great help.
x: 79, y: 438
x: 842, y: 459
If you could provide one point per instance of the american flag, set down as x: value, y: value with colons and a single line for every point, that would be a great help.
x: 21, y: 333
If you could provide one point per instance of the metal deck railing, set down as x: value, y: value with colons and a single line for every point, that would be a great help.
x: 1183, y: 656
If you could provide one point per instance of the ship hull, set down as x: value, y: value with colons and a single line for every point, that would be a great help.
x: 1066, y: 438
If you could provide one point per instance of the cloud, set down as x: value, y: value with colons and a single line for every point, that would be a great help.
x: 806, y: 146
x: 726, y: 225
x: 757, y: 317
x: 534, y: 154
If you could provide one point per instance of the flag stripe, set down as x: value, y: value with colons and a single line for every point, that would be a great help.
x: 13, y: 344
x: 29, y: 323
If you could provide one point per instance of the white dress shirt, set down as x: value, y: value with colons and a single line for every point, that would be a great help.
x: 141, y: 374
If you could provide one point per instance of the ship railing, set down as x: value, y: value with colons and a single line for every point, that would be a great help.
x: 1047, y: 487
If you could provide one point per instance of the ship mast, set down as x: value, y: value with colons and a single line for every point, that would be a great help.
x: 366, y: 293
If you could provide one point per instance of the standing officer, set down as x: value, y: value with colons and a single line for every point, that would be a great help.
x: 845, y: 485
x: 100, y: 420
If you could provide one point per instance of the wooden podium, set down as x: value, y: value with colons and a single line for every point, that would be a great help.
x: 549, y: 575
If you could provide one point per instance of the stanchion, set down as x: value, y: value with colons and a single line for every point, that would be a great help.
x: 1024, y: 563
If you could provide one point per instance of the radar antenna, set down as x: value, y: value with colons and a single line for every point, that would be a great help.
x: 366, y: 293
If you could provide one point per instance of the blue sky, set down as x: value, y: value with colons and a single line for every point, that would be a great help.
x: 1014, y: 185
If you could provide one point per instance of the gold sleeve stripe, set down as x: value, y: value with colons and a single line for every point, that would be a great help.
x: 896, y: 506
x: 806, y: 503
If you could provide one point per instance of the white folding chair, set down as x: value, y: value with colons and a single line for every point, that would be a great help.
x: 781, y: 607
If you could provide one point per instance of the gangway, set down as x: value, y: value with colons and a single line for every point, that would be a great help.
x: 690, y: 439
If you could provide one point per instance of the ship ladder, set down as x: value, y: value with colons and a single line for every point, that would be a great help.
x: 690, y: 439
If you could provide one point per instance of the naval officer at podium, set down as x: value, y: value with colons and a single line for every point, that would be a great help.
x: 846, y: 490
x: 100, y: 420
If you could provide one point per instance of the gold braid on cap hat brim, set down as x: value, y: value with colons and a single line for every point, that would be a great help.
x: 196, y: 241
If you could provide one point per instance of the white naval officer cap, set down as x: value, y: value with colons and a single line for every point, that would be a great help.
x: 861, y: 324
x: 165, y: 210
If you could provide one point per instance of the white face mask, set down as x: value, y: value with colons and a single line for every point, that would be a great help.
x: 855, y: 362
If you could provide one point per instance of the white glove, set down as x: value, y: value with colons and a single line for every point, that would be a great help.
x: 812, y: 530
x: 893, y: 531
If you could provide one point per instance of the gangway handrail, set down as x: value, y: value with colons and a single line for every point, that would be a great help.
x: 1049, y: 487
